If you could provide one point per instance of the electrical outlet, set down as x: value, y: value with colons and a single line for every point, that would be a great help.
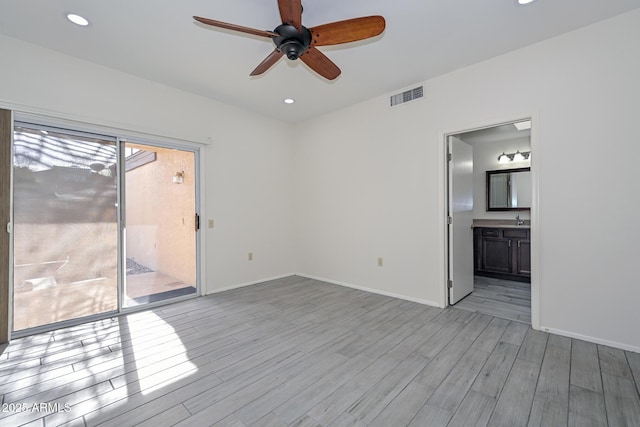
x: 380, y: 263
x: 250, y: 256
x: 210, y: 223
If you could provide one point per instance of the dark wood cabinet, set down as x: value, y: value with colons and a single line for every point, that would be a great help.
x: 523, y: 258
x: 504, y: 253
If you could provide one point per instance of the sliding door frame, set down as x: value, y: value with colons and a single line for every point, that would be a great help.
x: 122, y: 219
x: 70, y: 130
x: 121, y: 137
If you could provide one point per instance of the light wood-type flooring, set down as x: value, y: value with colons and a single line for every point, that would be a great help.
x: 501, y: 298
x: 298, y: 352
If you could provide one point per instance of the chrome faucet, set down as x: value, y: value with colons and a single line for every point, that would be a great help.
x: 518, y: 220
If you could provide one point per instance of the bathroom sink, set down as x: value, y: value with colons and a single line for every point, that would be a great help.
x: 499, y: 223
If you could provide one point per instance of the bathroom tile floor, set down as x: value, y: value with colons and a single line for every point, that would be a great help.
x: 506, y: 299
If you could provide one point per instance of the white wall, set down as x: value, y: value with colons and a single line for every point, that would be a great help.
x: 370, y: 179
x: 247, y: 169
x: 485, y: 158
x: 361, y: 176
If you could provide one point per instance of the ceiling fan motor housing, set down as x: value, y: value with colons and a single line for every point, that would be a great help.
x: 292, y: 42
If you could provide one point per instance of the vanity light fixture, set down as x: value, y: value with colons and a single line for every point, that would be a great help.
x: 77, y: 19
x: 514, y: 157
x: 518, y: 157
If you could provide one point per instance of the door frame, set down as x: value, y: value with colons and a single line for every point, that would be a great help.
x: 121, y: 141
x: 120, y: 135
x: 535, y: 211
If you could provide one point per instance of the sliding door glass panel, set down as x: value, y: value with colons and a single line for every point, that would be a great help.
x: 65, y: 226
x: 160, y: 224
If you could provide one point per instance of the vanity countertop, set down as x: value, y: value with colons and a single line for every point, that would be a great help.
x: 500, y: 223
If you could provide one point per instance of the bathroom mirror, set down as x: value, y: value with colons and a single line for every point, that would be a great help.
x: 509, y: 190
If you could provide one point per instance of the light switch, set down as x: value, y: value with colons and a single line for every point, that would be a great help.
x: 210, y: 223
x: 380, y: 263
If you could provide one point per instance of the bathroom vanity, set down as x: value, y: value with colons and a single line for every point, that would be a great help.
x: 502, y: 251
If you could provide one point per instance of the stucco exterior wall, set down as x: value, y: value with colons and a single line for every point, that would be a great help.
x: 160, y: 222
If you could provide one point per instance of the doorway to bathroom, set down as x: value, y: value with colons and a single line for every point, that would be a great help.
x: 489, y: 212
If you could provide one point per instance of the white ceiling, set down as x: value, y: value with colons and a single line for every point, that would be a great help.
x: 158, y: 40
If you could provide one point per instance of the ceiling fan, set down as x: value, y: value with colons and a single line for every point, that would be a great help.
x: 297, y: 41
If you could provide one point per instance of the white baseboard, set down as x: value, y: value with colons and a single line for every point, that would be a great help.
x: 608, y: 343
x: 242, y: 285
x: 374, y: 291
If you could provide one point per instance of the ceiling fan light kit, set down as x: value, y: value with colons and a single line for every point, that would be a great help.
x: 294, y: 41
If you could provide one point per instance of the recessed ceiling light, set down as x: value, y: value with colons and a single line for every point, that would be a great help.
x: 77, y: 19
x: 523, y: 125
x: 525, y: 1
x: 289, y: 101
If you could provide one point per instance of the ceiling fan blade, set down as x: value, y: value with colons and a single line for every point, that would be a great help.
x: 319, y: 63
x: 350, y: 30
x: 267, y: 63
x: 235, y: 27
x: 291, y: 12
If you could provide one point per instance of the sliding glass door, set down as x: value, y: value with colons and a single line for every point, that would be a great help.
x: 99, y: 226
x: 65, y: 226
x: 160, y: 224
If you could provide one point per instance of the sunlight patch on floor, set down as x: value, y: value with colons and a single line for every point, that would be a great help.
x: 152, y: 374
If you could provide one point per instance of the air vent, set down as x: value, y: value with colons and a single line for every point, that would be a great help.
x: 407, y: 96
